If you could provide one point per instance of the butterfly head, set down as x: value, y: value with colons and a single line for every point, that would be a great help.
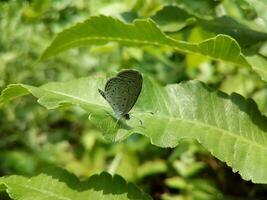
x: 127, y: 116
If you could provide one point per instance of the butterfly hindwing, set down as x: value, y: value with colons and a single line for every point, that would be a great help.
x: 116, y: 93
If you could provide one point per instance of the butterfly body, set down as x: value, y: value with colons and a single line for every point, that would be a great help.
x: 122, y: 92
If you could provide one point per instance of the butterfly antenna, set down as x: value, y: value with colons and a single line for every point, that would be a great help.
x: 149, y: 112
x: 141, y: 112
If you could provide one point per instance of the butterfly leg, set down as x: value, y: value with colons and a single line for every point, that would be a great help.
x: 117, y: 121
x: 140, y: 121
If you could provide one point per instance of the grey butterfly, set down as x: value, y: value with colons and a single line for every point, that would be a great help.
x: 122, y: 92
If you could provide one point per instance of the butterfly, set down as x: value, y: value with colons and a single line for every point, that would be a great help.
x: 122, y: 92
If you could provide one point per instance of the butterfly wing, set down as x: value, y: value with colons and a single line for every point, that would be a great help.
x: 133, y: 82
x: 122, y: 91
x: 116, y: 93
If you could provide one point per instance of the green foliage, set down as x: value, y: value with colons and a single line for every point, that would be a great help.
x: 101, y: 29
x: 259, y: 64
x: 221, y: 47
x: 217, y: 45
x: 57, y: 184
x: 244, y: 35
x: 230, y: 127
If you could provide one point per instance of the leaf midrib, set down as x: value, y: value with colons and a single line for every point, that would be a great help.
x: 144, y: 42
x: 215, y: 128
x: 46, y: 192
x: 237, y: 136
x: 127, y: 40
x: 74, y: 97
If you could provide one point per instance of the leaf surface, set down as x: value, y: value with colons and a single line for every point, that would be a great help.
x: 99, y: 30
x: 259, y: 65
x: 230, y: 127
x: 60, y: 185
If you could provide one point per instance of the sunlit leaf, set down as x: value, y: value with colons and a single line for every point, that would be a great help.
x: 99, y: 30
x: 230, y: 127
x: 259, y: 65
x: 59, y: 185
x: 260, y: 6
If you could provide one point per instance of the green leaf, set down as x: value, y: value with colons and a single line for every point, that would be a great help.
x: 230, y: 127
x: 204, y: 9
x: 60, y: 185
x: 259, y: 65
x: 151, y: 168
x: 227, y: 25
x: 99, y: 30
x: 260, y: 6
x: 11, y: 92
x: 172, y: 18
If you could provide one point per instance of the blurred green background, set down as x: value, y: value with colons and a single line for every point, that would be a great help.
x: 33, y: 138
